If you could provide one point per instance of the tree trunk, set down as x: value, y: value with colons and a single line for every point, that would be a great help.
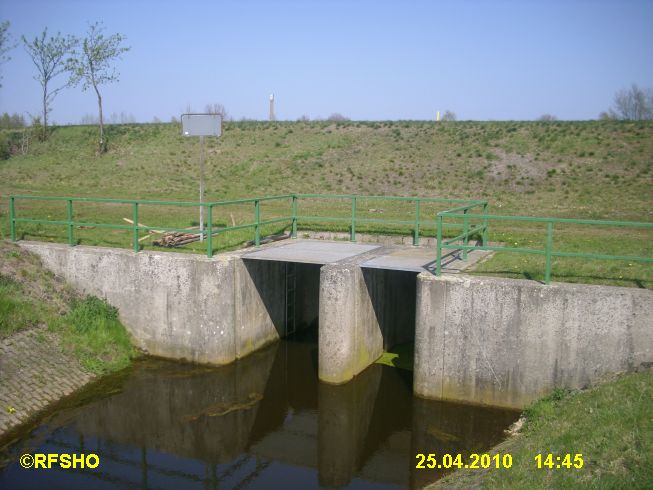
x: 102, y: 145
x: 45, y: 115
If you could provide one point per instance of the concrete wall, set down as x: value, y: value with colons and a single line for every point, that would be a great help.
x: 177, y: 305
x: 508, y: 342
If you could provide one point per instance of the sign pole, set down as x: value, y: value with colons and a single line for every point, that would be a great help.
x: 201, y: 188
x: 201, y: 125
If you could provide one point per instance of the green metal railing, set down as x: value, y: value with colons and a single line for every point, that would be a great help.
x: 417, y: 222
x: 548, y: 252
x: 354, y: 219
x: 473, y: 214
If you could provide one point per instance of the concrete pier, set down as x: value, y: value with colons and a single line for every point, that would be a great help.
x: 362, y: 313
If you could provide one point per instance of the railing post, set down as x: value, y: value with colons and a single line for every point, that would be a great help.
x: 257, y: 215
x: 484, y: 236
x: 135, y: 225
x: 294, y: 217
x: 465, y: 231
x: 438, y: 257
x: 352, y: 236
x: 209, y: 237
x: 549, y: 245
x: 12, y: 218
x: 69, y: 207
x: 416, y: 235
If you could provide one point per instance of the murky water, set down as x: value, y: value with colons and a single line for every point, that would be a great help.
x: 263, y: 422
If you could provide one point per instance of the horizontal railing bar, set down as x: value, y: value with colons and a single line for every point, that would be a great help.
x: 108, y: 200
x: 377, y: 220
x: 463, y: 208
x: 254, y: 199
x: 634, y: 258
x: 635, y: 224
x: 323, y: 218
x: 143, y: 201
x: 463, y: 235
x: 388, y: 198
x: 42, y: 221
x: 493, y: 248
x: 251, y: 225
x: 602, y: 256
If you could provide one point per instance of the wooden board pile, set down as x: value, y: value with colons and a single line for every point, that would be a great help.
x: 169, y: 238
x: 176, y: 239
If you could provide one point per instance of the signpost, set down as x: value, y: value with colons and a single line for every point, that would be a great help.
x: 201, y: 125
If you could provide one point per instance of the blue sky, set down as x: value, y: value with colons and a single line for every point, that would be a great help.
x: 370, y: 60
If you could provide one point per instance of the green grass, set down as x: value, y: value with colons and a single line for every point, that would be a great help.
x: 596, y: 170
x: 610, y: 425
x: 86, y: 326
x: 16, y: 313
x: 96, y: 336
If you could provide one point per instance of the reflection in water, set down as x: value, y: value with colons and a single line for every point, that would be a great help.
x: 263, y: 422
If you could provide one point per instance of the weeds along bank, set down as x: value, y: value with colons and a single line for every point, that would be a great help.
x: 52, y: 340
x: 608, y: 426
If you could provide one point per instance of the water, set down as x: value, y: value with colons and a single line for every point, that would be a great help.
x: 263, y: 422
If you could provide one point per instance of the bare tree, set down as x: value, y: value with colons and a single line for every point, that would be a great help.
x: 93, y: 66
x: 216, y: 108
x: 49, y: 56
x: 633, y: 104
x: 304, y: 118
x: 6, y: 43
x: 449, y: 116
x: 547, y: 117
x: 336, y: 116
x: 89, y: 119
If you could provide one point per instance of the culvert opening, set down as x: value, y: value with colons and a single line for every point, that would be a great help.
x: 393, y: 295
x: 290, y: 292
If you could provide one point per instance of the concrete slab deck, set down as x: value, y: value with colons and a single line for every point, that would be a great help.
x: 392, y: 257
x: 310, y: 252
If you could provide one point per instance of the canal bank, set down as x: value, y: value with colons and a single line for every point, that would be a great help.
x: 35, y: 372
x: 53, y: 341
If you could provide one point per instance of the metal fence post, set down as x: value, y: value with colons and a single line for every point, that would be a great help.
x: 484, y: 236
x: 135, y: 225
x: 12, y: 218
x: 549, y: 245
x: 257, y: 215
x: 416, y: 235
x: 69, y: 207
x: 466, y: 232
x: 438, y: 257
x: 352, y: 236
x: 209, y: 237
x: 294, y: 216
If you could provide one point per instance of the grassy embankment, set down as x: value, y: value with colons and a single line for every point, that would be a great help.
x: 86, y: 326
x: 610, y: 425
x: 596, y: 170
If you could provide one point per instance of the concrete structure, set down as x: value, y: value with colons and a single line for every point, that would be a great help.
x: 506, y: 342
x: 478, y: 340
x: 362, y: 313
x: 179, y: 306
